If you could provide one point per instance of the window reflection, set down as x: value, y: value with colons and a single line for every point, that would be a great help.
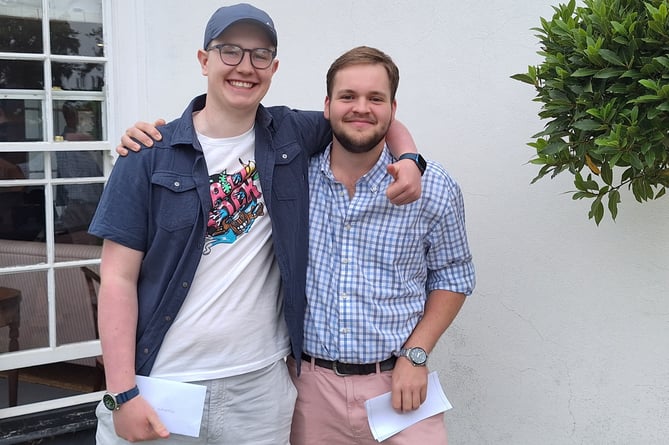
x: 76, y: 28
x: 78, y: 76
x: 75, y: 204
x: 21, y: 27
x: 22, y: 215
x: 77, y: 120
x: 20, y: 120
x: 21, y: 74
x: 33, y: 328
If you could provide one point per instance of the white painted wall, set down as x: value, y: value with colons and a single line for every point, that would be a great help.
x: 566, y: 338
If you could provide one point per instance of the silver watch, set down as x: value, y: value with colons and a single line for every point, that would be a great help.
x: 416, y: 355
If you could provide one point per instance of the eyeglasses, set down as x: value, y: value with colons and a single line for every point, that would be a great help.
x: 232, y: 55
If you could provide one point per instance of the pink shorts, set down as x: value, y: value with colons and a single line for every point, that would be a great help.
x: 331, y: 409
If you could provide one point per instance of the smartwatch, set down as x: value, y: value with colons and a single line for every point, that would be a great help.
x: 416, y: 355
x: 114, y: 401
x: 418, y: 159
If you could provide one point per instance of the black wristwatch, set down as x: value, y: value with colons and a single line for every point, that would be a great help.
x: 114, y: 401
x: 418, y: 159
x: 416, y: 355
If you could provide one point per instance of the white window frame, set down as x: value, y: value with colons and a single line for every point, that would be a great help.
x: 123, y: 25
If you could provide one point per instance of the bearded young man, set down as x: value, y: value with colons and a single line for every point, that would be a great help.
x: 383, y: 282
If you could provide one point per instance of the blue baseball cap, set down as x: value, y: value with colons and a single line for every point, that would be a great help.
x: 226, y: 16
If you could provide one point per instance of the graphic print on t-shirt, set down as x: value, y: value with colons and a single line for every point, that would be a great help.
x: 235, y: 199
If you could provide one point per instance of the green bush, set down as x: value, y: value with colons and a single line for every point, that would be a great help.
x: 604, y: 88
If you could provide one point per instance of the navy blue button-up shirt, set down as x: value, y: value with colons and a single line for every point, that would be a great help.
x: 157, y: 201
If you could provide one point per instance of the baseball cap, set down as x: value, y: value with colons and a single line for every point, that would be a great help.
x: 241, y: 12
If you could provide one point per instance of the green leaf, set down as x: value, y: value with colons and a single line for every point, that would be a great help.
x: 611, y: 57
x: 607, y: 73
x: 606, y: 173
x: 614, y: 200
x: 524, y: 78
x: 587, y: 125
x: 584, y: 72
x: 596, y: 211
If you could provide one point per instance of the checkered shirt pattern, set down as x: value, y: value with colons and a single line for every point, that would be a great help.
x: 372, y: 264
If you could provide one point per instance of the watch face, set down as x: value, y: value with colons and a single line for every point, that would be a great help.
x: 418, y: 356
x: 109, y: 402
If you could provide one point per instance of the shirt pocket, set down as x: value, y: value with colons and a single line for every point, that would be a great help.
x: 175, y: 200
x: 290, y: 172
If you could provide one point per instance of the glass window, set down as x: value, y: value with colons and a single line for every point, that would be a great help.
x: 21, y: 26
x: 77, y: 76
x: 76, y: 27
x: 53, y: 161
x: 77, y: 120
x: 21, y: 120
x: 21, y: 75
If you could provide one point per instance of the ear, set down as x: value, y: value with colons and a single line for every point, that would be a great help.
x: 203, y: 58
x: 394, y: 109
x: 326, y: 108
x: 275, y: 66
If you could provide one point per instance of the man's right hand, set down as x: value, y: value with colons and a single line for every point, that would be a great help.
x: 144, y: 132
x: 137, y: 421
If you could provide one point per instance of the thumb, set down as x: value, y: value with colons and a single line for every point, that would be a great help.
x: 393, y: 170
x: 158, y: 426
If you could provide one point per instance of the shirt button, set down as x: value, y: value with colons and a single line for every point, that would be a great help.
x: 345, y: 260
x: 347, y: 227
x: 284, y: 156
x: 344, y: 296
x: 184, y: 284
x: 374, y: 189
x: 177, y: 183
x: 345, y: 330
x: 168, y: 318
x: 146, y: 350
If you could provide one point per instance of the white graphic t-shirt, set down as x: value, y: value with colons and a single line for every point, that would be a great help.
x: 232, y: 321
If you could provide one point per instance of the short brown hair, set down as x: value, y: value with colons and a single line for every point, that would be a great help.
x: 364, y: 55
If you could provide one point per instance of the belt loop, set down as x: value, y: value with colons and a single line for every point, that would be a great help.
x: 378, y: 367
x: 312, y: 363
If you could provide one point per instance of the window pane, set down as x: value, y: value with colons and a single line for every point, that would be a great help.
x: 77, y: 120
x: 22, y: 214
x: 20, y: 120
x: 31, y: 286
x: 21, y: 165
x: 75, y: 205
x: 76, y: 298
x: 76, y: 27
x: 78, y: 76
x: 21, y: 26
x: 21, y: 75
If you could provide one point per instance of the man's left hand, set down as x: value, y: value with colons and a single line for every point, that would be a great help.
x: 409, y: 386
x: 406, y: 187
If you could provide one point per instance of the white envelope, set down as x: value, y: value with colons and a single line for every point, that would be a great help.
x: 384, y: 421
x: 179, y: 405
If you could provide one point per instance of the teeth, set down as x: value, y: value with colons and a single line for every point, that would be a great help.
x: 239, y: 84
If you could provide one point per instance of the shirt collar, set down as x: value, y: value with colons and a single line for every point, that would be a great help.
x: 372, y: 179
x: 184, y: 130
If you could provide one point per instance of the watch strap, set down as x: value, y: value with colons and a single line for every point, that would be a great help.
x: 113, y: 402
x: 123, y: 397
x: 418, y: 159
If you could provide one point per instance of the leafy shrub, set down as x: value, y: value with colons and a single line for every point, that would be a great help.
x: 604, y: 88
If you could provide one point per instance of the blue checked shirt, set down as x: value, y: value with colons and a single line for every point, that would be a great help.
x: 372, y: 264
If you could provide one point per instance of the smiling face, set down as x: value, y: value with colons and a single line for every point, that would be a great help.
x: 241, y: 87
x: 360, y: 108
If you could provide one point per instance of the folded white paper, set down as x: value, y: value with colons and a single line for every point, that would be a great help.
x: 384, y: 421
x: 179, y: 405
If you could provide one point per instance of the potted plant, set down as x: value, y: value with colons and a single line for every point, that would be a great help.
x: 604, y: 88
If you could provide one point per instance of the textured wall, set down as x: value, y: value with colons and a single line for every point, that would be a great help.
x: 565, y: 340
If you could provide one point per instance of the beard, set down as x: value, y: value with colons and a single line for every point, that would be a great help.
x: 356, y: 142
